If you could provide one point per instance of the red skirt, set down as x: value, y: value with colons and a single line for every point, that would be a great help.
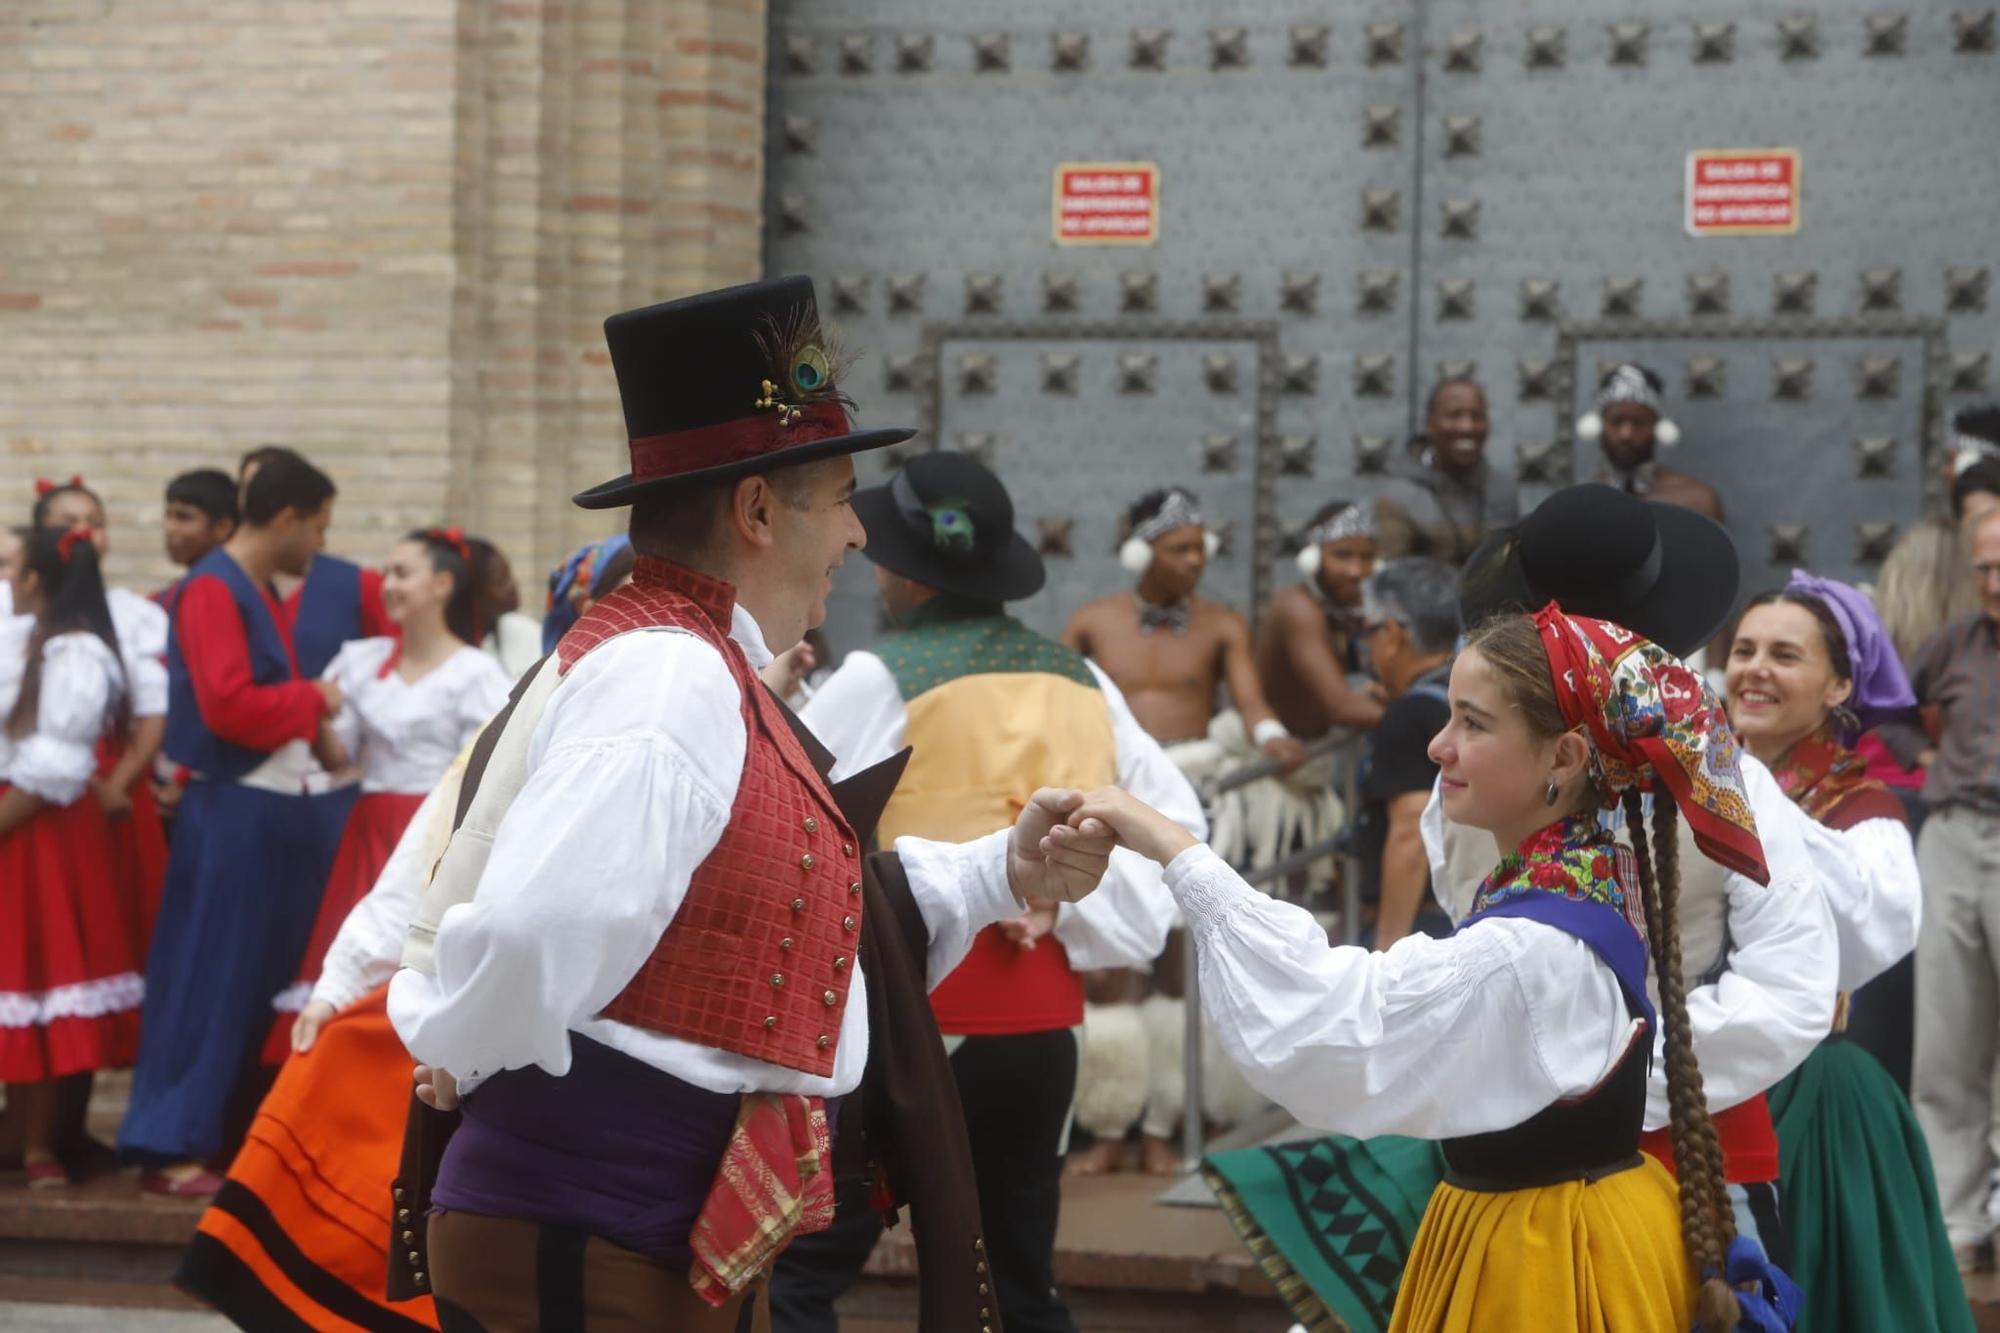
x: 307, y: 1217
x: 70, y: 982
x: 138, y: 847
x: 373, y: 830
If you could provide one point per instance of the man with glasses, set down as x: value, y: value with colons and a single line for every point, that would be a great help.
x: 1408, y: 635
x: 1958, y: 947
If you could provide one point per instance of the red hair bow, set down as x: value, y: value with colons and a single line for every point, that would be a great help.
x: 66, y: 544
x: 43, y: 485
x: 452, y: 537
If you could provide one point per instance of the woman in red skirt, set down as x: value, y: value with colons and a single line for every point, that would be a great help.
x: 411, y: 705
x: 70, y: 981
x: 123, y: 784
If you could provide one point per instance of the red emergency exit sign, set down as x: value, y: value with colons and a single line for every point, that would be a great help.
x: 1743, y: 191
x: 1107, y: 203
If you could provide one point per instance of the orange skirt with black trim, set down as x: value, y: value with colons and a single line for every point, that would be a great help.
x: 299, y: 1236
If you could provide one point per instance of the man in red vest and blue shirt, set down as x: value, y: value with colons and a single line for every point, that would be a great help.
x: 679, y: 959
x: 991, y: 710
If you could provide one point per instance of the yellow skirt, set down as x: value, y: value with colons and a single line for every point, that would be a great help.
x: 1598, y: 1257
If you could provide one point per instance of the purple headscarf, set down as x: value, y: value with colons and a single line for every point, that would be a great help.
x: 1881, y: 689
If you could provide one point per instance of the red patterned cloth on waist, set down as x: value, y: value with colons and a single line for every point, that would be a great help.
x: 775, y: 1181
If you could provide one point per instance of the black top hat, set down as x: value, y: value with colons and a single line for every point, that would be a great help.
x: 948, y: 523
x: 1657, y: 569
x: 727, y: 383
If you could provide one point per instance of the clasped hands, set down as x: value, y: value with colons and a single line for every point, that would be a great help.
x: 1057, y: 853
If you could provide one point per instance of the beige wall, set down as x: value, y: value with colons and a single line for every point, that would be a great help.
x: 382, y: 232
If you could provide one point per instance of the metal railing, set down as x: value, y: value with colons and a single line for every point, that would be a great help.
x: 1258, y: 876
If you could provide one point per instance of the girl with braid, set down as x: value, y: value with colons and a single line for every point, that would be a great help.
x: 1521, y: 1041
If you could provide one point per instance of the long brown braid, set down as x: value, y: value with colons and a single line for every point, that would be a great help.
x: 1512, y: 647
x: 1708, y: 1223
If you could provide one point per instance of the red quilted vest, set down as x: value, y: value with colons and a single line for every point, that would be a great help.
x: 757, y: 961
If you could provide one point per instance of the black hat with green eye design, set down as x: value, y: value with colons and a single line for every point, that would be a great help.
x: 725, y: 384
x: 947, y: 522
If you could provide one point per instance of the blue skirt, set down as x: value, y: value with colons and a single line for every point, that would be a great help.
x: 244, y: 880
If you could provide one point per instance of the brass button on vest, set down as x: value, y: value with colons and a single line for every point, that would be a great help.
x: 847, y: 849
x: 824, y: 1041
x: 806, y: 861
x: 840, y: 963
x: 830, y: 998
x: 770, y: 1020
x: 785, y: 943
x: 854, y: 888
x: 798, y: 904
x: 778, y: 979
x: 812, y: 825
x: 847, y: 924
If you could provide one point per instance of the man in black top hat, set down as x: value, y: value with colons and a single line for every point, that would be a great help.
x: 991, y: 709
x: 656, y: 954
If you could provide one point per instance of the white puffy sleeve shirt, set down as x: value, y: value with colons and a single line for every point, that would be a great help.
x: 1869, y: 874
x: 141, y: 625
x: 859, y: 714
x: 369, y: 946
x: 1430, y: 1038
x: 405, y: 733
x: 81, y: 678
x: 632, y: 772
x: 1771, y: 1001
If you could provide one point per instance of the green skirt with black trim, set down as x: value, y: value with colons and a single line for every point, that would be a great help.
x: 1330, y: 1220
x: 1860, y: 1200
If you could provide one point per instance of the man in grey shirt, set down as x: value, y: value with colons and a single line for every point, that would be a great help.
x: 1442, y: 496
x: 1958, y: 947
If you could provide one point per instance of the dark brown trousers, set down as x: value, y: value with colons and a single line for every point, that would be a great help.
x: 501, y: 1275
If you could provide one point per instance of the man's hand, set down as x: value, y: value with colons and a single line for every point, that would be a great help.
x: 436, y: 1088
x: 1037, y: 921
x: 168, y: 794
x: 1288, y: 751
x: 305, y: 1028
x: 330, y: 696
x: 1048, y: 859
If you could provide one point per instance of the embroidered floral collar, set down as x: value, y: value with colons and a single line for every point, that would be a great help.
x: 1573, y: 858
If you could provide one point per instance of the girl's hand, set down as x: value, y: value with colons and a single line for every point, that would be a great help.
x: 1137, y: 825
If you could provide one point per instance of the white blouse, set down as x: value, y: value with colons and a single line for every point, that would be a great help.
x: 1879, y: 905
x: 633, y: 770
x: 80, y: 681
x: 1430, y: 1038
x: 405, y: 734
x: 859, y: 714
x: 141, y: 624
x: 369, y: 947
x: 1761, y: 999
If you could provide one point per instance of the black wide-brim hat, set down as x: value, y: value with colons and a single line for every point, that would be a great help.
x: 728, y: 383
x: 947, y: 522
x: 1657, y: 569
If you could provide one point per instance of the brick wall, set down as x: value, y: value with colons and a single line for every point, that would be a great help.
x: 384, y: 233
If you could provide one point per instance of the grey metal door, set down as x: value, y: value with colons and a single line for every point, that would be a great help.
x: 1353, y: 205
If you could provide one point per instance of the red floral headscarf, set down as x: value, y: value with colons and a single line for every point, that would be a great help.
x: 1654, y: 722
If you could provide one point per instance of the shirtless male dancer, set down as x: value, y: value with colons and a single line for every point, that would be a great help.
x: 1168, y: 650
x: 1308, y: 635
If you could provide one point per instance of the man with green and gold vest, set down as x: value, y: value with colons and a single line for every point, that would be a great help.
x: 991, y: 710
